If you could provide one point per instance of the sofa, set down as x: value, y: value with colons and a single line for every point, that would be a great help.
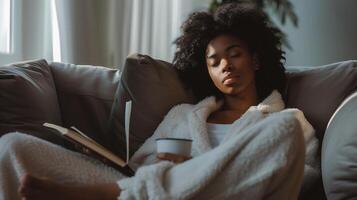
x: 92, y: 98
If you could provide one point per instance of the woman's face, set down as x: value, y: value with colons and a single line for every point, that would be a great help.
x: 230, y: 65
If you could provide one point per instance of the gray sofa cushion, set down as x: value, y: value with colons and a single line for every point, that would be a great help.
x: 318, y: 91
x: 154, y: 87
x: 28, y: 98
x: 339, y: 152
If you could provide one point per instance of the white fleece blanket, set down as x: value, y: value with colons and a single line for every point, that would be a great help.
x: 164, y: 180
x: 20, y: 153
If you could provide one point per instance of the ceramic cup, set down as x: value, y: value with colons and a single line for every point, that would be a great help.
x: 174, y: 145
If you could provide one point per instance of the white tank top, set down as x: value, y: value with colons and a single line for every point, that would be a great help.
x: 216, y: 132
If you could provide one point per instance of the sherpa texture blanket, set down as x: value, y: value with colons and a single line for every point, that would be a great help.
x: 258, y: 158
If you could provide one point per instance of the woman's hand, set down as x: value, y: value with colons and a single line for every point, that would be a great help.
x: 172, y: 157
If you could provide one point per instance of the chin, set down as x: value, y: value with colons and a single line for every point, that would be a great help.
x: 234, y: 91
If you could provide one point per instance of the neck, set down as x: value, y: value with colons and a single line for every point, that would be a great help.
x: 241, y: 102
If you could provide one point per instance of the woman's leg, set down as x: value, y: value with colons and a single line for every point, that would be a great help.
x: 23, y: 154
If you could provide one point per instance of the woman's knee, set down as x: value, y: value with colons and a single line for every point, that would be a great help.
x: 14, y: 142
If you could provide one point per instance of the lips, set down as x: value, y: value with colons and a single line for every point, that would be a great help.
x: 229, y: 79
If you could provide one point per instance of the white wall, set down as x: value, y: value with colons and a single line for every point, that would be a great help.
x: 327, y: 32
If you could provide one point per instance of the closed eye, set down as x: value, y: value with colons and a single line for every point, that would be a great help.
x: 213, y: 62
x: 235, y: 55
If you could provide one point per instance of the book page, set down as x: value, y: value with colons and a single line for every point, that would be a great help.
x: 94, y: 146
x: 127, y: 127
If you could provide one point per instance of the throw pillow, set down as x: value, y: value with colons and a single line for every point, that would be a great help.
x: 154, y: 88
x: 339, y: 151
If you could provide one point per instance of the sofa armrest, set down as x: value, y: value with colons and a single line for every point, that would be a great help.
x: 339, y: 150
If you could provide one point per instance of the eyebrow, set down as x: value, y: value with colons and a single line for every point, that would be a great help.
x: 227, y: 49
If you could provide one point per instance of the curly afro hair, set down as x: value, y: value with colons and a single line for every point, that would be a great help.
x: 247, y: 23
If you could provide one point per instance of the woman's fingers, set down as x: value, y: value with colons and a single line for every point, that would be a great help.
x: 172, y: 157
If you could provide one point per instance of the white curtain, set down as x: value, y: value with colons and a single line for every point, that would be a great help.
x: 36, y: 30
x: 5, y: 26
x: 104, y: 32
x: 97, y: 32
x: 155, y: 25
x: 31, y: 33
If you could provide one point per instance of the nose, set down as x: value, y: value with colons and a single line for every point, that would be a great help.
x: 226, y: 65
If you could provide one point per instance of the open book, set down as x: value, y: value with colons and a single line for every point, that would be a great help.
x: 93, y: 149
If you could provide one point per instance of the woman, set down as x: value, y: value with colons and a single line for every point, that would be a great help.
x: 244, y: 144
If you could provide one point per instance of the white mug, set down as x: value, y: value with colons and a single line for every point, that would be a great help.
x: 178, y: 146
